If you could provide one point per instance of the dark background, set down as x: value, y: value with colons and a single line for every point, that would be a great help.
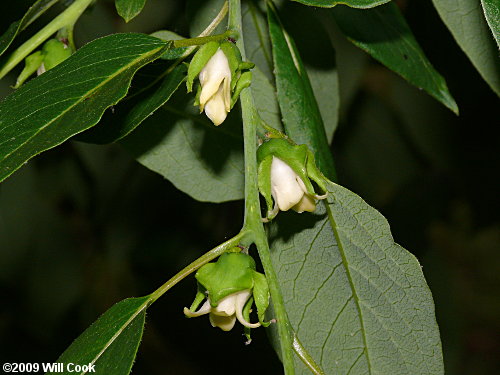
x: 84, y: 226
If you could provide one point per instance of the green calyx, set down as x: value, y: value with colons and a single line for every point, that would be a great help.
x: 199, y: 60
x: 298, y: 157
x: 233, y: 272
x: 52, y: 53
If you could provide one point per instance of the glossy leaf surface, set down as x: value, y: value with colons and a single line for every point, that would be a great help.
x: 71, y: 97
x: 111, y: 343
x: 130, y: 113
x: 129, y: 9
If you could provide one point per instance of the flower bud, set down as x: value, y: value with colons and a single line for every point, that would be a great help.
x: 285, y: 173
x: 219, y: 69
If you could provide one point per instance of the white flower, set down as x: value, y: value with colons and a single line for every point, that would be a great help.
x: 215, y: 80
x: 227, y: 311
x: 288, y: 189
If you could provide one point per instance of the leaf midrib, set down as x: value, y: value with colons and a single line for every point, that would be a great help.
x: 143, y: 306
x: 351, y: 283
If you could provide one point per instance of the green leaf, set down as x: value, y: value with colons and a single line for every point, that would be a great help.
x: 183, y: 146
x: 71, y: 97
x: 300, y: 111
x: 318, y: 58
x: 465, y: 20
x: 173, y: 53
x: 129, y: 9
x: 35, y: 11
x: 130, y: 113
x: 363, y: 4
x: 491, y: 10
x: 385, y: 35
x: 111, y: 343
x: 358, y: 302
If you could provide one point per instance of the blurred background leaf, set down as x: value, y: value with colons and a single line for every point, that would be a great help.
x: 465, y: 20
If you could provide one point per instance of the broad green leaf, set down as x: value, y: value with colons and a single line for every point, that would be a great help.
x: 35, y: 11
x: 491, y: 9
x: 129, y: 9
x: 363, y: 4
x: 130, y: 113
x: 385, y: 35
x: 465, y: 20
x: 318, y: 58
x: 358, y: 302
x: 183, y: 146
x: 301, y: 115
x: 111, y: 343
x: 71, y: 97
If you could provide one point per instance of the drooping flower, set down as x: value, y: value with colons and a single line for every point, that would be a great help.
x: 230, y: 286
x: 226, y: 312
x: 288, y: 189
x: 222, y: 75
x: 285, y: 174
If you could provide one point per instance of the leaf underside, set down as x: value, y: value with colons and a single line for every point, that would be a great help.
x: 183, y: 146
x: 466, y: 22
x: 358, y: 302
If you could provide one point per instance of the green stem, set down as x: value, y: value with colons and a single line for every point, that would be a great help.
x: 253, y: 221
x: 202, y: 40
x: 68, y: 17
x: 204, y: 259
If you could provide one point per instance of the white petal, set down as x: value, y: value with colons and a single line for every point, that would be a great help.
x: 241, y: 299
x: 40, y: 70
x: 226, y: 306
x: 205, y: 309
x: 285, y: 189
x: 307, y: 203
x: 215, y: 108
x: 226, y: 323
x: 212, y: 76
